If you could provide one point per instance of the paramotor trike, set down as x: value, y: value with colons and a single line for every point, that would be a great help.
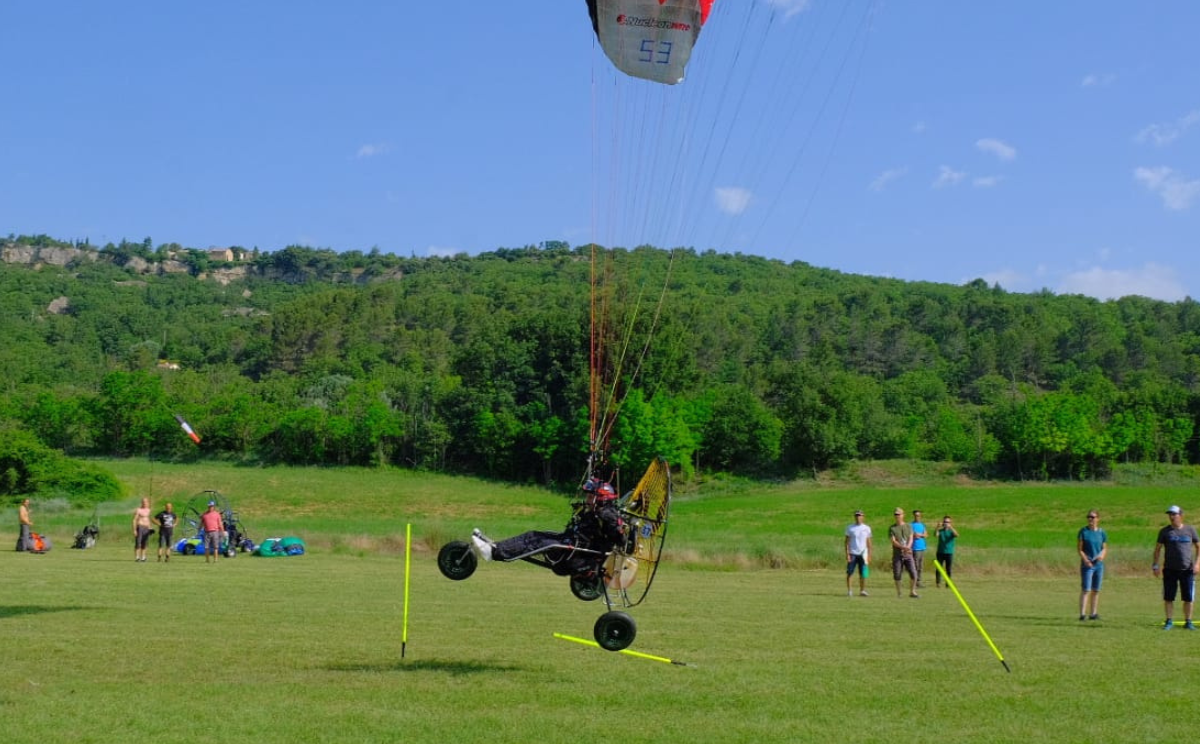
x: 622, y: 576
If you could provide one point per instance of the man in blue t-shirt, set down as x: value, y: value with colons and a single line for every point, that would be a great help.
x: 1092, y: 543
x: 918, y: 545
x: 1179, y: 546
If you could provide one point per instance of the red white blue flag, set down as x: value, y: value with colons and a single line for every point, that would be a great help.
x: 187, y: 428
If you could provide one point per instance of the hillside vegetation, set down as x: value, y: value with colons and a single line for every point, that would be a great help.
x: 479, y: 365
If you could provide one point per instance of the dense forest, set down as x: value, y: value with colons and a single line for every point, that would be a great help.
x: 480, y: 364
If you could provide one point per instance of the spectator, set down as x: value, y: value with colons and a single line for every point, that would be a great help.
x: 901, y: 535
x: 946, y: 535
x: 25, y: 539
x: 165, y: 520
x: 858, y: 554
x: 1179, y: 546
x: 1092, y: 543
x: 141, y: 530
x: 214, y: 532
x: 918, y: 548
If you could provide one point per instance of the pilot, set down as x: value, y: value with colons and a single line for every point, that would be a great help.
x: 596, y: 525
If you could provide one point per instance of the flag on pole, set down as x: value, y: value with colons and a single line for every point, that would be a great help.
x: 187, y: 428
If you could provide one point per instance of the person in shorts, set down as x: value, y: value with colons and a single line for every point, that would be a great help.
x: 1179, y: 546
x: 1092, y: 543
x: 165, y: 520
x: 858, y: 554
x: 214, y: 532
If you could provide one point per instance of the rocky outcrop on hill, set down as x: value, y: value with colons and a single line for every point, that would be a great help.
x: 37, y: 257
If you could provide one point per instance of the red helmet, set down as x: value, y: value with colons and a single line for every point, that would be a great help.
x: 605, y: 492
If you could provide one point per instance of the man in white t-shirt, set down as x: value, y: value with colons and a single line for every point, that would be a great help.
x: 858, y: 554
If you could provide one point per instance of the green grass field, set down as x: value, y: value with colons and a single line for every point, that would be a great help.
x: 102, y: 649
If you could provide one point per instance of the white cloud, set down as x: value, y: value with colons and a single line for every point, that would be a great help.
x: 1098, y: 81
x: 1165, y: 134
x: 1013, y: 281
x: 732, y: 199
x: 1151, y: 280
x: 441, y: 251
x: 1176, y: 191
x: 883, y: 179
x: 947, y: 176
x: 996, y: 147
x: 370, y: 151
x: 986, y: 182
x: 790, y: 7
x: 919, y: 128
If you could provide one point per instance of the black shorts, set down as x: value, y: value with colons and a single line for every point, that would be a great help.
x: 166, y: 535
x: 1182, y: 580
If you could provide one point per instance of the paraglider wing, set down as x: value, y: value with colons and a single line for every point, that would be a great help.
x: 649, y: 39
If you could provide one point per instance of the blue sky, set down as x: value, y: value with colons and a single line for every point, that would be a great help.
x: 1034, y: 144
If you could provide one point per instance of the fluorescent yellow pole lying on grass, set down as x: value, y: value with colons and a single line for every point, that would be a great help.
x: 971, y: 615
x: 407, y: 561
x: 626, y: 651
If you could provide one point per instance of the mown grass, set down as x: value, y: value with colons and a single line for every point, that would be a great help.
x: 100, y: 649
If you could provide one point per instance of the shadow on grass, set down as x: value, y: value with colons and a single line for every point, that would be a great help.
x: 453, y: 668
x: 19, y: 610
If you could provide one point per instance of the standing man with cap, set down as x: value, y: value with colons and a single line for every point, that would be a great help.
x: 214, y: 529
x: 1179, y: 546
x: 858, y: 554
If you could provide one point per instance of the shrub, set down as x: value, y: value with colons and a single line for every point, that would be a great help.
x: 29, y: 468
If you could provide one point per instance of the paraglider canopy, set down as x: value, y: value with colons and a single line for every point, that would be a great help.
x: 649, y: 39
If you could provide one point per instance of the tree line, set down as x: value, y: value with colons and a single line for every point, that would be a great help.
x: 480, y: 365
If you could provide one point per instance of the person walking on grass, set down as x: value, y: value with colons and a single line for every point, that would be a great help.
x: 1179, y: 546
x: 858, y: 554
x: 901, y: 536
x: 946, y: 535
x: 1092, y: 544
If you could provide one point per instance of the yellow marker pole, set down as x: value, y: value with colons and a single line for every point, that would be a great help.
x: 626, y: 651
x: 407, y: 562
x: 971, y: 615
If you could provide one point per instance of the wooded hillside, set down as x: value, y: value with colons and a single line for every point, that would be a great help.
x: 480, y: 364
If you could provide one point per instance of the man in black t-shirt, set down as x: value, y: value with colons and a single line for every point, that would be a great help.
x: 1179, y: 546
x: 165, y: 520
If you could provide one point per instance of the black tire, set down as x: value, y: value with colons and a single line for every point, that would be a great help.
x: 189, y: 549
x: 587, y: 588
x: 457, y: 561
x: 614, y: 631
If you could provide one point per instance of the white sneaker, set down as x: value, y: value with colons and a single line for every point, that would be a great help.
x: 482, y: 546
